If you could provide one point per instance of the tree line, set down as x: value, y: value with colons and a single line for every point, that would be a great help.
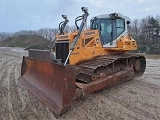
x: 146, y: 32
x: 47, y: 33
x: 44, y: 32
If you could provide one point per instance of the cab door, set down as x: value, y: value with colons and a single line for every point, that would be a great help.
x: 110, y: 30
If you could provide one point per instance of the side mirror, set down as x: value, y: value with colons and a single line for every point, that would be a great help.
x: 128, y: 22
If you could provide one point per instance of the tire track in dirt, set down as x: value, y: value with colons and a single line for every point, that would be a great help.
x: 148, y: 87
x: 36, y: 109
x: 14, y: 95
x: 137, y: 101
x: 23, y: 92
x: 140, y: 113
x: 2, y: 59
x: 5, y: 64
x: 4, y: 89
x: 92, y: 107
x: 12, y: 112
x: 117, y: 109
x: 97, y: 106
x: 3, y: 92
x: 11, y: 55
x: 137, y: 86
x: 10, y: 102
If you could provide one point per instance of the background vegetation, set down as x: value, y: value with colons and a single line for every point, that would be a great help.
x: 147, y: 34
x: 145, y: 31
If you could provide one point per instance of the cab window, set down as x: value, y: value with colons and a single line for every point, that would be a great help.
x: 120, y: 26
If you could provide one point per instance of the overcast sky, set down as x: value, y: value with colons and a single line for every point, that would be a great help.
x: 18, y: 15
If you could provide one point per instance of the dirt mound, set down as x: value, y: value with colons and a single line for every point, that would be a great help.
x: 27, y: 41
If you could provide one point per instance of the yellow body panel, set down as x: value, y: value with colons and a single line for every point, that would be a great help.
x: 89, y: 45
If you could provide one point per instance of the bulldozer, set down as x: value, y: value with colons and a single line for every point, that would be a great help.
x: 83, y: 61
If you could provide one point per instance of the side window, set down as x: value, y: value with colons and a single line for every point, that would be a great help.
x: 102, y: 28
x: 94, y: 24
x: 120, y: 26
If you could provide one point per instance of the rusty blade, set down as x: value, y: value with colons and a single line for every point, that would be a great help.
x: 53, y: 84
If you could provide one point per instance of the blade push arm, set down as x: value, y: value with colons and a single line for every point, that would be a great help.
x: 84, y: 20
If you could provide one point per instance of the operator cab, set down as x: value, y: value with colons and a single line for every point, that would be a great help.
x: 111, y: 27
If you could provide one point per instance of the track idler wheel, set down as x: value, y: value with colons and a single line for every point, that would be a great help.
x: 138, y: 64
x: 135, y: 63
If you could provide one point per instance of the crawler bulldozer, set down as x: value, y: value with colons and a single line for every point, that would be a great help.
x: 82, y: 62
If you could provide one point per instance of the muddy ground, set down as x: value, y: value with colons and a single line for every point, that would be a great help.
x: 138, y: 99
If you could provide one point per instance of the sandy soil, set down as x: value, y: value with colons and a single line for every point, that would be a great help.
x: 138, y: 99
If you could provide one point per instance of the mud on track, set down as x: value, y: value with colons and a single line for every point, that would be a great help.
x: 137, y: 99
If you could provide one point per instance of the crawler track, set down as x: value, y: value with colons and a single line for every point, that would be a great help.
x: 104, y: 66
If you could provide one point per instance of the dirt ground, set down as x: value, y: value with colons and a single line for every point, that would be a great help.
x: 137, y: 99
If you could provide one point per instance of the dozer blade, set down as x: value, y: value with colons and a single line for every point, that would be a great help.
x: 53, y: 84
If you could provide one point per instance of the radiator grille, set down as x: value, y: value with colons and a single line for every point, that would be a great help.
x: 62, y: 50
